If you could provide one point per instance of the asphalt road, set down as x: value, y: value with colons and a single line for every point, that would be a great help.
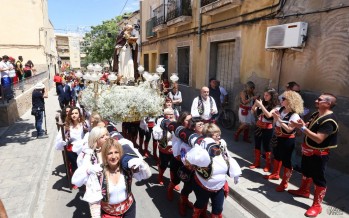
x: 56, y: 200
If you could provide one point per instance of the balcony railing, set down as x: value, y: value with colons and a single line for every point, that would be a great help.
x: 178, y: 8
x: 149, y: 27
x: 160, y: 15
x: 206, y: 2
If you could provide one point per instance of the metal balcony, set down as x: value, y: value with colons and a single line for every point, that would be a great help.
x: 160, y: 16
x: 149, y: 27
x: 179, y: 12
x: 212, y: 7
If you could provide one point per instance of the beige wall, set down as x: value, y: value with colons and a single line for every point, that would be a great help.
x: 27, y: 31
x: 322, y: 66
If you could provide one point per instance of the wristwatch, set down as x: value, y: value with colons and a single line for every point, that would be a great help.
x: 303, y: 128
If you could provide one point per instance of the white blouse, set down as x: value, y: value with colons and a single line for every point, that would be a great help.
x: 117, y: 192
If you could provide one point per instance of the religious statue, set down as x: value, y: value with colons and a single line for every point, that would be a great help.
x: 125, y: 55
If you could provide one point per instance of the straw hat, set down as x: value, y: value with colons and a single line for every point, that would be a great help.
x: 39, y: 86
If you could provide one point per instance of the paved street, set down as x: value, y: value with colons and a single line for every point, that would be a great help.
x: 56, y: 200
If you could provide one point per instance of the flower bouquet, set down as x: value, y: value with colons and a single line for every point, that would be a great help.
x: 123, y: 103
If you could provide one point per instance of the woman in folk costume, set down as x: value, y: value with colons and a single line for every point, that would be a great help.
x: 213, y: 163
x: 284, y: 136
x: 74, y: 133
x: 164, y: 137
x: 264, y: 127
x: 246, y: 117
x: 109, y: 190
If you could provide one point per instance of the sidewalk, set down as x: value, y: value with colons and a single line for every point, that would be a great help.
x: 23, y: 159
x: 258, y: 195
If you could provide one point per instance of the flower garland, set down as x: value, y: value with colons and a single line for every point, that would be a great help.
x: 123, y: 103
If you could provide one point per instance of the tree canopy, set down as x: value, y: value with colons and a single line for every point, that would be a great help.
x: 101, y: 40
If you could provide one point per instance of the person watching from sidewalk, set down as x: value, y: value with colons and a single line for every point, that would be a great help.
x: 204, y: 106
x: 215, y: 92
x: 20, y: 72
x: 176, y: 97
x: 284, y: 137
x: 264, y: 127
x: 224, y: 94
x: 5, y: 78
x: 320, y: 135
x: 246, y: 117
x: 38, y: 107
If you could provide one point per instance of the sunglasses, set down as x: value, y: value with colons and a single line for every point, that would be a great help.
x: 283, y: 99
x: 321, y: 100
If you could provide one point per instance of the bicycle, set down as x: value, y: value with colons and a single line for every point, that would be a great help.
x: 226, y: 117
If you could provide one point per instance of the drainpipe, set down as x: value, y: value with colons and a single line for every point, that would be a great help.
x: 199, y: 24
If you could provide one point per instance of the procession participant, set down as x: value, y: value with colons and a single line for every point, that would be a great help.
x: 119, y: 168
x: 321, y: 134
x: 74, y: 134
x: 176, y: 162
x: 264, y: 127
x: 163, y: 136
x: 246, y: 119
x: 284, y: 136
x: 38, y: 107
x: 213, y: 163
x: 204, y: 106
x: 176, y: 97
x: 146, y: 130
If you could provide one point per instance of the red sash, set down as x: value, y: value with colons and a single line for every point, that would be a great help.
x: 307, y: 151
x: 279, y: 133
x: 117, y: 209
x: 264, y: 125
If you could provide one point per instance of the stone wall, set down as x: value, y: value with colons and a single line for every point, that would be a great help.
x: 12, y: 111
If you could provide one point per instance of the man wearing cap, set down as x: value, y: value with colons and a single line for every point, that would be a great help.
x: 38, y: 107
x: 204, y: 106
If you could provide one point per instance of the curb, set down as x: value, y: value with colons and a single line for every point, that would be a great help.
x: 247, y: 204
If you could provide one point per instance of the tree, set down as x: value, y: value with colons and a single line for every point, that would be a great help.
x: 101, y: 40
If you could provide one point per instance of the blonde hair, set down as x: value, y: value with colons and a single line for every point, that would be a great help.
x: 97, y: 118
x: 210, y: 129
x: 168, y: 111
x: 110, y: 143
x: 295, y: 101
x: 95, y: 134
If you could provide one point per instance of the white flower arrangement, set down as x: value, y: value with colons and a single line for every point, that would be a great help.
x: 123, y: 103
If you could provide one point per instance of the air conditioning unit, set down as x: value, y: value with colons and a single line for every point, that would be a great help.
x: 291, y: 35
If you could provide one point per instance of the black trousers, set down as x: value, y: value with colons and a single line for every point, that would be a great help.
x: 283, y: 151
x: 203, y: 196
x: 314, y: 167
x: 263, y: 139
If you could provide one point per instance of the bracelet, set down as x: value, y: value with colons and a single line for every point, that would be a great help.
x: 303, y: 128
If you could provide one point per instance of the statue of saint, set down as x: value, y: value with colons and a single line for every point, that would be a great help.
x: 125, y: 55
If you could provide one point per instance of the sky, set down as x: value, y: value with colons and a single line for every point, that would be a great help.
x: 79, y: 15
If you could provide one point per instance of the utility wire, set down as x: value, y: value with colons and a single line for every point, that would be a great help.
x: 123, y: 7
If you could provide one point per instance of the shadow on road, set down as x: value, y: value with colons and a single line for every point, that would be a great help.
x: 20, y: 132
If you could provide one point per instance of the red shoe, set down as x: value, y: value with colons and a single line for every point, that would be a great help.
x: 304, y: 189
x: 275, y: 175
x: 257, y: 160
x: 316, y: 208
x: 74, y: 187
x: 284, y: 183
